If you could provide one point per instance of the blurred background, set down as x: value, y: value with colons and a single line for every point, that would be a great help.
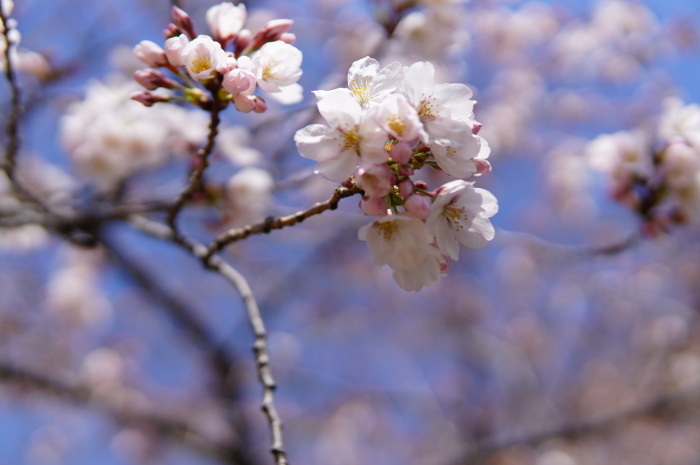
x: 570, y: 340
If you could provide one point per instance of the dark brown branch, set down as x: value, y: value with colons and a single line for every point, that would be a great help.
x: 201, y: 162
x: 271, y: 223
x: 175, y: 430
x: 11, y: 130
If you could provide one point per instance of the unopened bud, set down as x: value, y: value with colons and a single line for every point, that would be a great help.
x: 401, y: 152
x: 476, y: 127
x: 148, y: 98
x: 242, y: 40
x: 238, y: 81
x: 288, y: 37
x: 373, y: 206
x: 184, y: 22
x: 406, y: 188
x: 418, y: 206
x: 171, y: 31
x: 244, y: 103
x: 152, y: 79
x: 150, y: 53
x: 260, y: 105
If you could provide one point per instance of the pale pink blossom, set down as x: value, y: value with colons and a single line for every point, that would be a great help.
x: 225, y: 20
x: 460, y: 213
x: 395, y: 115
x: 173, y: 49
x: 150, y: 53
x: 431, y: 266
x: 368, y: 82
x: 202, y: 57
x: 375, y: 180
x: 400, y: 241
x: 350, y: 134
x: 278, y: 64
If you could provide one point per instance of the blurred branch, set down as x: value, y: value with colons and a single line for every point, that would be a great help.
x: 671, y: 404
x: 262, y: 357
x: 200, y: 164
x: 568, y: 251
x: 271, y: 223
x: 175, y: 430
x: 221, y: 363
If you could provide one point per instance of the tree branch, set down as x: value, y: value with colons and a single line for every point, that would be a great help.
x: 175, y: 430
x: 271, y: 223
x: 260, y: 350
x: 201, y: 162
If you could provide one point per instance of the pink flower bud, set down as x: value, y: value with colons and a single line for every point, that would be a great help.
x: 171, y: 31
x: 184, y: 22
x: 288, y: 38
x: 401, y: 152
x: 148, y: 98
x: 239, y: 81
x: 260, y: 105
x: 375, y: 180
x: 150, y: 53
x: 422, y: 185
x: 406, y: 188
x: 244, y: 103
x: 273, y: 30
x: 373, y: 206
x: 418, y: 206
x: 476, y: 127
x: 152, y: 79
x: 242, y: 40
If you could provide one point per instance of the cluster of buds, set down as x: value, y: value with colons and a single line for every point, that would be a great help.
x: 231, y: 63
x: 657, y: 177
x: 385, y: 126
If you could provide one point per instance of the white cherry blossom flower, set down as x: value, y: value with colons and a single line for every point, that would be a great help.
x: 395, y: 115
x: 150, y: 53
x: 350, y: 134
x: 426, y: 272
x: 369, y: 83
x: 460, y: 213
x: 203, y: 57
x: 277, y: 65
x: 400, y: 241
x: 173, y: 49
x: 226, y: 20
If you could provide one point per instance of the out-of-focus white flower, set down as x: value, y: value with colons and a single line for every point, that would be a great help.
x: 248, y: 193
x: 400, y: 241
x: 623, y: 155
x: 278, y: 64
x: 680, y: 122
x: 225, y: 20
x: 431, y: 266
x: 233, y: 144
x: 350, y: 134
x: 7, y: 7
x: 460, y: 213
x: 203, y: 57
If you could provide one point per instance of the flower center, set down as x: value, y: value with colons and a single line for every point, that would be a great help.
x: 388, y: 229
x: 360, y: 88
x: 397, y: 124
x: 456, y: 215
x: 201, y: 64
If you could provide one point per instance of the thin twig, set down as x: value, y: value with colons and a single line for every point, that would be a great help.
x: 262, y: 357
x: 271, y: 223
x: 11, y: 130
x: 201, y: 162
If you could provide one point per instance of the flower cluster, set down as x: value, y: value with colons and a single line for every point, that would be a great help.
x: 659, y: 179
x: 386, y: 125
x: 231, y: 63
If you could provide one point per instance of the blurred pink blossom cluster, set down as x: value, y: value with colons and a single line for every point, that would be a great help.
x: 655, y: 171
x: 231, y: 63
x: 385, y: 126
